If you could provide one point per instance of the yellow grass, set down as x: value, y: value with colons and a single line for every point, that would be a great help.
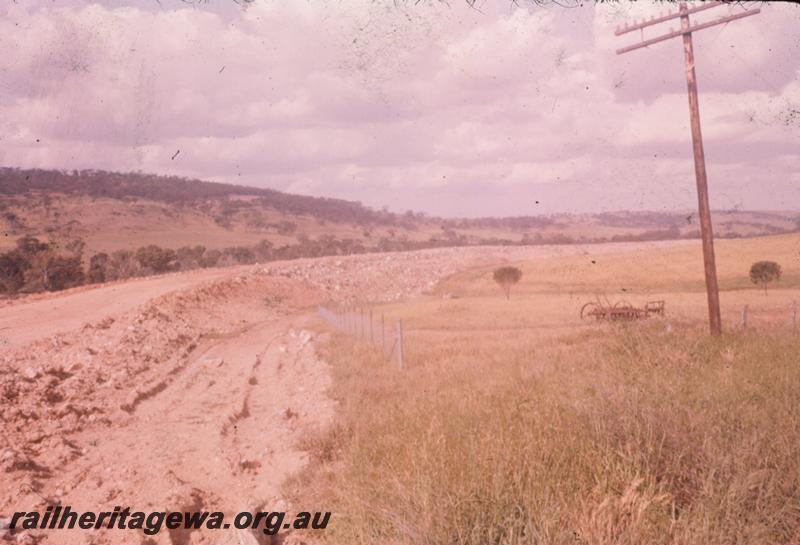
x: 673, y: 269
x: 515, y: 423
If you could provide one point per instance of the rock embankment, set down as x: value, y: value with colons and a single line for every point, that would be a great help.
x: 58, y: 388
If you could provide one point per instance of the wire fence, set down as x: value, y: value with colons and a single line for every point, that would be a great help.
x: 367, y: 326
x: 745, y: 315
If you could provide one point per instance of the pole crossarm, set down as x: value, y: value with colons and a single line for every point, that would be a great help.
x: 656, y: 20
x: 689, y: 30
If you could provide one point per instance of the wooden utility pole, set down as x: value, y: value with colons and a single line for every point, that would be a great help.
x: 704, y: 209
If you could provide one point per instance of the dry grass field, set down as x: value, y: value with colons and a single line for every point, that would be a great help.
x: 515, y: 422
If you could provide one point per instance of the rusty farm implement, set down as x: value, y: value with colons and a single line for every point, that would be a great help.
x: 621, y: 310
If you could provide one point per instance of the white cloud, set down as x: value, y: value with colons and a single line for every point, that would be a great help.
x: 362, y: 101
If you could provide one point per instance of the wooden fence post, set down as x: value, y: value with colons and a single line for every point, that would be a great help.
x: 793, y: 314
x: 400, y: 344
x: 383, y: 333
x: 744, y: 317
x: 371, y: 330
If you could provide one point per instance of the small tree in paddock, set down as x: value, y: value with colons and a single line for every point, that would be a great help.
x: 507, y: 277
x: 764, y: 272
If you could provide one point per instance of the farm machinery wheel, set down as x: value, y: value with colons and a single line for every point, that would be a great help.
x: 587, y: 310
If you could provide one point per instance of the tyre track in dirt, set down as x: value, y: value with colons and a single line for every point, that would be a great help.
x: 193, y: 399
x: 181, y: 403
x: 221, y: 436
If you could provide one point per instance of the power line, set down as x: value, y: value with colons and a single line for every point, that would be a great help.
x: 706, y: 231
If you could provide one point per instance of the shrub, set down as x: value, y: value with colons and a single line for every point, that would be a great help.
x: 156, y: 259
x: 122, y: 265
x: 263, y: 250
x: 29, y: 246
x: 189, y: 257
x: 63, y: 272
x: 12, y: 272
x: 238, y: 255
x: 97, y: 268
x: 210, y: 258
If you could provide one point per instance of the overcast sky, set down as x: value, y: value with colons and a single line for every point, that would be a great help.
x: 454, y: 111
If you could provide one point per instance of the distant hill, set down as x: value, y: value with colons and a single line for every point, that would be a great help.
x: 111, y: 211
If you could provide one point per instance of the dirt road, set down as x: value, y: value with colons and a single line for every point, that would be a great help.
x: 195, y: 400
x: 222, y: 436
x: 186, y: 392
x: 21, y: 322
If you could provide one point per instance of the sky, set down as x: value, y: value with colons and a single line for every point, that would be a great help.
x: 496, y: 110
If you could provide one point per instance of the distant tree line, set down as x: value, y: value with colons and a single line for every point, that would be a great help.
x: 36, y: 266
